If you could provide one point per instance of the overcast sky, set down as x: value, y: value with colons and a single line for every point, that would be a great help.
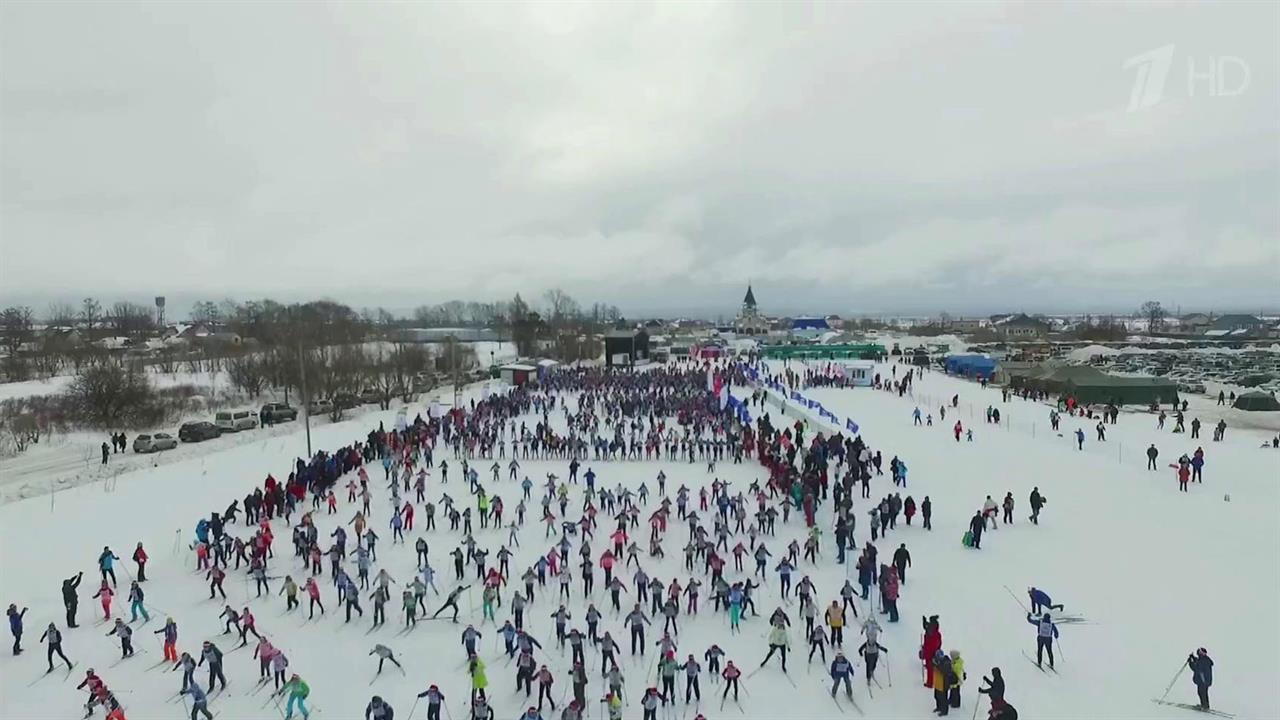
x: 845, y: 157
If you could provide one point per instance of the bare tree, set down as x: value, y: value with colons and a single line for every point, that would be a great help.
x: 16, y: 330
x: 1154, y: 314
x: 90, y: 314
x: 109, y: 396
x: 63, y: 315
x: 247, y: 372
x: 131, y: 319
x: 206, y: 311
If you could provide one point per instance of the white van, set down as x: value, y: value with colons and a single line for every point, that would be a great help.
x: 236, y: 421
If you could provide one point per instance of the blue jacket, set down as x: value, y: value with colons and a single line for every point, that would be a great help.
x: 1039, y: 597
x: 1201, y: 670
x: 15, y: 621
x: 196, y: 693
x: 840, y: 669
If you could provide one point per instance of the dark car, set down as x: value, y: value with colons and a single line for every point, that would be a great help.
x: 277, y: 412
x: 346, y: 401
x: 198, y: 432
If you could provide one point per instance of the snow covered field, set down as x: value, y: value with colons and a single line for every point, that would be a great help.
x: 1157, y: 573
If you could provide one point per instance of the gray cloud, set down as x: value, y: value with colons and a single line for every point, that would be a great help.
x: 846, y: 157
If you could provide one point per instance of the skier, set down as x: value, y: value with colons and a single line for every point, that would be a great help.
x: 105, y: 594
x: 199, y: 701
x: 298, y: 691
x: 125, y: 633
x: 1201, y: 674
x: 778, y: 642
x: 435, y: 699
x: 1046, y: 631
x: 841, y: 670
x: 53, y: 637
x: 730, y: 674
x: 106, y: 565
x: 1041, y: 599
x: 994, y: 688
x: 188, y: 665
x: 211, y: 654
x: 378, y: 709
x: 451, y: 602
x: 170, y: 632
x: 135, y: 604
x: 384, y: 654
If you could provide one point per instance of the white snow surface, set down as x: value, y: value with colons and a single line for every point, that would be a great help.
x: 1157, y: 573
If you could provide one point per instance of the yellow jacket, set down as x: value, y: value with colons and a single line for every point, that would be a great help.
x: 835, y: 616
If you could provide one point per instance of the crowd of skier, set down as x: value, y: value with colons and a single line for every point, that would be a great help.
x: 670, y: 414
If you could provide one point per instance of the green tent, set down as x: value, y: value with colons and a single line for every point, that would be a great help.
x: 1256, y: 401
x: 1101, y: 389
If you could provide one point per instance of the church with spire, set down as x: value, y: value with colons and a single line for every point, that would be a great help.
x: 749, y: 320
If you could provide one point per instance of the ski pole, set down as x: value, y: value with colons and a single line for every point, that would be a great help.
x: 1015, y: 598
x: 1174, y: 680
x: 1060, y: 653
x: 975, y: 710
x: 415, y: 707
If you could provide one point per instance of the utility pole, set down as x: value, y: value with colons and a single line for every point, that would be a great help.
x: 457, y: 387
x: 306, y: 399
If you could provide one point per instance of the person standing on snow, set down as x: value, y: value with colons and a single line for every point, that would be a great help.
x: 1046, y: 631
x: 1037, y: 501
x: 15, y: 626
x: 976, y: 525
x: 70, y: 598
x: 1201, y: 674
x: 106, y: 565
x: 932, y: 645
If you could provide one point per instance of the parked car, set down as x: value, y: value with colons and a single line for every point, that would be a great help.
x: 346, y: 401
x: 319, y: 407
x: 277, y: 412
x: 236, y: 421
x: 198, y: 431
x: 154, y: 443
x: 370, y: 396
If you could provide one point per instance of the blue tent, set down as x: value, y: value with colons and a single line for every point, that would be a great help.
x: 971, y: 366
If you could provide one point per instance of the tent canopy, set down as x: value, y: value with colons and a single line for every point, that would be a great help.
x: 1122, y: 390
x: 974, y: 366
x: 1256, y: 401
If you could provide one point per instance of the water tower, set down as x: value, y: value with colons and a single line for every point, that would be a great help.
x: 160, y: 311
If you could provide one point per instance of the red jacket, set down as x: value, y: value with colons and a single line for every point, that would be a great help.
x: 932, y: 644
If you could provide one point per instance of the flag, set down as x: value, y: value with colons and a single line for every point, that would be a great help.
x: 852, y: 426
